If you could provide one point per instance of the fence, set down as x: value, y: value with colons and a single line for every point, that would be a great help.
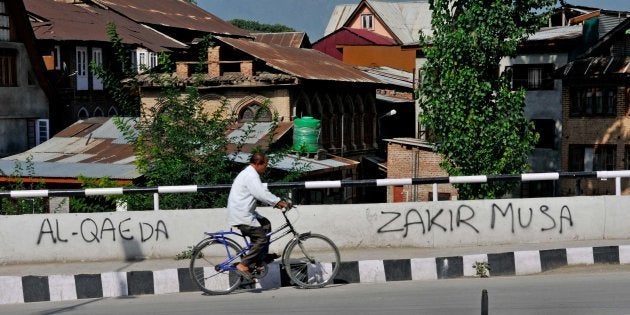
x: 603, y: 175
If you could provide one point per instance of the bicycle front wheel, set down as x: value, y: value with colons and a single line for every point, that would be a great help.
x: 212, y: 266
x: 311, y: 261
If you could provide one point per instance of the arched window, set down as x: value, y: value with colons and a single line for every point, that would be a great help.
x: 255, y: 112
x: 83, y: 113
x: 98, y: 112
x: 112, y: 112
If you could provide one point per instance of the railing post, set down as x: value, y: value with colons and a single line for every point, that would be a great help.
x: 618, y: 186
x: 435, y: 192
x: 156, y: 201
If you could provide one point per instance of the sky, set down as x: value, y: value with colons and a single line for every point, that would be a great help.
x: 311, y: 16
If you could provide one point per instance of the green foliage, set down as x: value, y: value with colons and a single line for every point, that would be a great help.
x: 186, y: 254
x: 22, y: 179
x: 260, y: 27
x: 95, y: 203
x: 482, y: 269
x: 475, y: 118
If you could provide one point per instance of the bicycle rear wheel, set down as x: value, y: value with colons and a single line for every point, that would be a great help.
x: 311, y: 261
x: 212, y: 266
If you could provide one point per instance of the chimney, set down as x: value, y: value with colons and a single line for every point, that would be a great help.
x: 247, y: 68
x: 214, y: 68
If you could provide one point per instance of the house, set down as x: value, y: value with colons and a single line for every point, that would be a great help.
x: 24, y: 90
x: 595, y: 113
x: 72, y: 35
x: 571, y: 31
x: 377, y: 33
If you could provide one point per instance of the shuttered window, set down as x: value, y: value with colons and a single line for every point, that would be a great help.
x: 8, y: 74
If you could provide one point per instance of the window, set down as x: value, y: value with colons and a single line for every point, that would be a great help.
x: 605, y: 158
x: 588, y: 158
x: 255, y: 112
x: 153, y: 60
x: 97, y: 59
x: 142, y: 59
x: 366, y: 21
x: 8, y: 69
x: 83, y: 114
x: 593, y: 101
x: 37, y: 132
x: 546, y: 129
x: 626, y: 157
x: 82, y: 68
x: 5, y: 25
x: 532, y: 76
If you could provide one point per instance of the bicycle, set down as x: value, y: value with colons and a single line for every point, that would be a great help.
x: 310, y: 260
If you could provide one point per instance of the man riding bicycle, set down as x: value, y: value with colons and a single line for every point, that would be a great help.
x: 246, y: 190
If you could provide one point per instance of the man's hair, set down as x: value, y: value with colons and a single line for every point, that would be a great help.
x: 257, y: 158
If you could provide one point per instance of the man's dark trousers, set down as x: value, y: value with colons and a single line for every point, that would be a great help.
x: 258, y: 241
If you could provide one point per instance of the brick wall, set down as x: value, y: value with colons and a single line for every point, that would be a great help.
x: 408, y: 160
x: 595, y: 131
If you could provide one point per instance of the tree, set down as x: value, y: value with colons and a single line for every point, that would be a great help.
x: 260, y: 27
x: 473, y: 115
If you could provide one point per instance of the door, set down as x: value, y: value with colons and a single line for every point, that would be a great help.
x: 97, y: 59
x: 82, y: 68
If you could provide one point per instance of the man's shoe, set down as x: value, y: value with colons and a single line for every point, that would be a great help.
x: 270, y: 258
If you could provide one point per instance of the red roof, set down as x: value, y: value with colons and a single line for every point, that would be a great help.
x: 350, y: 37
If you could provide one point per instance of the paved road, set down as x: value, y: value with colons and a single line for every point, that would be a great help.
x: 573, y: 290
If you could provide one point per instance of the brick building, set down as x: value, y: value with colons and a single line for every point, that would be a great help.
x: 596, y: 115
x: 415, y: 158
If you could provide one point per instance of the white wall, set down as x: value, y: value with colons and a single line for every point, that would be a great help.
x: 154, y: 234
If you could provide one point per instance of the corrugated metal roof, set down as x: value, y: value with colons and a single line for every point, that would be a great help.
x: 313, y: 166
x: 405, y: 19
x: 303, y: 63
x: 556, y: 33
x: 255, y: 135
x: 390, y: 76
x: 74, y: 170
x: 173, y: 13
x: 63, y: 21
x: 596, y: 67
x: 91, y: 148
x: 289, y: 39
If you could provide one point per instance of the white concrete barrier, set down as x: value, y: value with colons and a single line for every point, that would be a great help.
x: 164, y: 234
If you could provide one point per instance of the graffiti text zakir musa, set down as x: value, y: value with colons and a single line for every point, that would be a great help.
x: 464, y: 217
x: 95, y: 231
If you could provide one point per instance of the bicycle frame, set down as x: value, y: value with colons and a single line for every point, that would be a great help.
x: 286, y: 229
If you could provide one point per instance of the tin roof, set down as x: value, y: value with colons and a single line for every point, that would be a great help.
x: 405, y: 19
x: 93, y: 148
x: 390, y: 76
x: 303, y: 63
x: 63, y: 21
x: 596, y: 67
x: 312, y: 166
x: 289, y: 39
x: 556, y: 33
x: 173, y: 13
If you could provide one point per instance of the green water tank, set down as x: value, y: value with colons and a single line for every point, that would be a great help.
x: 306, y: 134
